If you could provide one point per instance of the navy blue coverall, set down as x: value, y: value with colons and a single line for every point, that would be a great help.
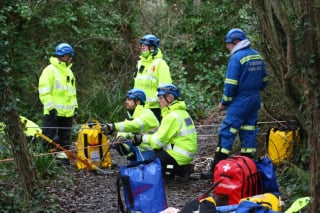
x: 246, y: 76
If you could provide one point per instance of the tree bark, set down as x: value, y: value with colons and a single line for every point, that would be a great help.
x: 293, y: 36
x: 20, y: 151
x: 314, y: 144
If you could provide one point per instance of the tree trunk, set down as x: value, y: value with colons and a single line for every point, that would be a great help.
x: 20, y: 151
x: 292, y: 31
x: 314, y: 144
x: 311, y: 81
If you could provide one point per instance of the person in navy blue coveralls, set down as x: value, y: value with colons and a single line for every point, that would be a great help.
x: 246, y: 76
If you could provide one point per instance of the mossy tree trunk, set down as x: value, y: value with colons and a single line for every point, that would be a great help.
x: 291, y: 34
x: 19, y: 147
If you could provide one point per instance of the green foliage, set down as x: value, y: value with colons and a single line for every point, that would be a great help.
x: 99, y: 32
x: 103, y: 103
x: 195, y: 49
x: 45, y: 165
x: 105, y: 37
x: 12, y: 195
x: 293, y: 182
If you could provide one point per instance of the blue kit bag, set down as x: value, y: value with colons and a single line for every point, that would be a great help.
x: 267, y: 176
x: 143, y: 187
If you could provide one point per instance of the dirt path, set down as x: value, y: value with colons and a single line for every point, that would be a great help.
x: 92, y: 192
x: 97, y: 193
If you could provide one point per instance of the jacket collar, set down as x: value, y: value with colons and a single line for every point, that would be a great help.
x: 175, y: 105
x: 59, y: 64
x: 150, y: 57
x: 241, y: 45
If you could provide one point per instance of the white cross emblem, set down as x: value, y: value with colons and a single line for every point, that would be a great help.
x: 226, y: 167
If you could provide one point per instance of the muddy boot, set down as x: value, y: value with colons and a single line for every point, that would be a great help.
x: 249, y: 155
x: 218, y: 157
x: 184, y: 172
x: 209, y: 174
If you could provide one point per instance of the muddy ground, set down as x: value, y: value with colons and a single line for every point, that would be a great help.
x: 84, y: 191
x: 92, y: 192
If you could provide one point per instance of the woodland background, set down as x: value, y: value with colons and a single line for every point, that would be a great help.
x: 105, y: 35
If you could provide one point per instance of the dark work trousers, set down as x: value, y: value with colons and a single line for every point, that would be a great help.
x: 169, y: 164
x: 57, y: 129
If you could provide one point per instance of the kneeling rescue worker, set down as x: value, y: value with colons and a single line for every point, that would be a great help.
x: 176, y: 137
x: 139, y: 120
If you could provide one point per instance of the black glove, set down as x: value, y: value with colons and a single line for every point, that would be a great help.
x: 137, y: 139
x: 109, y: 129
x: 53, y: 113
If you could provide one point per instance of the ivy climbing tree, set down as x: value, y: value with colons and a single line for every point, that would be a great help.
x: 291, y: 30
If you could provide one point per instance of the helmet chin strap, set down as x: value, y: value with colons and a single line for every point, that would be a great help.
x: 135, y: 102
x: 165, y: 98
x: 68, y: 61
x: 234, y: 41
x: 155, y: 52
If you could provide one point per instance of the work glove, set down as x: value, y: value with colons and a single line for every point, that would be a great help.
x: 137, y: 139
x: 109, y: 129
x: 53, y: 114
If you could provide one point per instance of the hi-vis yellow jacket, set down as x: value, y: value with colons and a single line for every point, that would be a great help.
x: 29, y: 127
x: 57, y: 88
x: 176, y: 135
x: 152, y: 73
x: 143, y: 120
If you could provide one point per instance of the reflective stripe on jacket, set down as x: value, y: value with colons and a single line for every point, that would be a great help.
x: 57, y: 89
x: 143, y: 121
x: 152, y: 73
x: 176, y: 135
x: 246, y: 73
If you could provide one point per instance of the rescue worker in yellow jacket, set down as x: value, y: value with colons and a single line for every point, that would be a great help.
x: 176, y: 135
x: 29, y: 128
x: 57, y: 93
x: 151, y: 72
x: 139, y: 120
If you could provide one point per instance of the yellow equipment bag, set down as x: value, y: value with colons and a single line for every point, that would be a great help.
x: 268, y: 200
x: 92, y: 144
x: 281, y: 143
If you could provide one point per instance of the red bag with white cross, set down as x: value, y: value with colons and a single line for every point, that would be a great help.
x: 238, y: 176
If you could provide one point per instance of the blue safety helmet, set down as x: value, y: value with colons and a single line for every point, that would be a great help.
x: 168, y: 89
x: 137, y: 94
x: 235, y: 33
x: 150, y: 40
x: 64, y: 49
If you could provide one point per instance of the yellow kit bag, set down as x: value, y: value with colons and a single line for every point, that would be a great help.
x: 268, y: 200
x: 92, y: 143
x: 280, y: 143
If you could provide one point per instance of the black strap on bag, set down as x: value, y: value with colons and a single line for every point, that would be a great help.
x: 125, y: 181
x: 120, y: 204
x: 140, y: 162
x: 85, y: 136
x: 100, y: 144
x: 126, y: 184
